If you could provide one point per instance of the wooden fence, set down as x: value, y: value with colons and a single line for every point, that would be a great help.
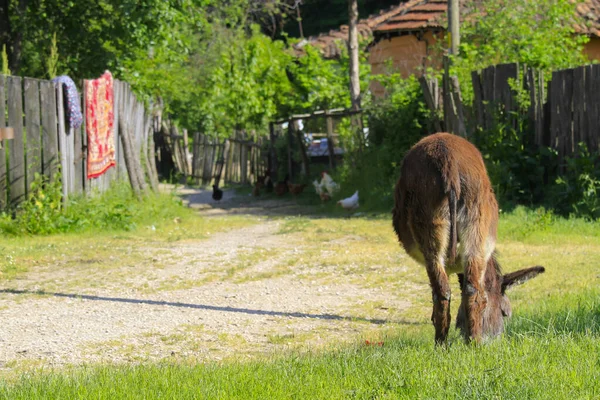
x: 239, y: 159
x: 561, y: 114
x: 43, y: 142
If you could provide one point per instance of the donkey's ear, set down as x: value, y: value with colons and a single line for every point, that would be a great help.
x: 520, y: 276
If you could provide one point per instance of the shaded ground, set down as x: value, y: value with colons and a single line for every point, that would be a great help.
x: 241, y: 293
x: 234, y: 203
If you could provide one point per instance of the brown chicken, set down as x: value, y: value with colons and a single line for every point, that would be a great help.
x: 296, y: 188
x: 281, y: 188
x: 256, y: 189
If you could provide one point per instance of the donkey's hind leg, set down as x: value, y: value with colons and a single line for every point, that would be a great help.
x: 433, y: 240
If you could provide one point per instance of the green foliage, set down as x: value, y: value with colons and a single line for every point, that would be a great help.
x: 42, y: 212
x: 5, y: 70
x: 116, y: 209
x: 577, y: 191
x: 52, y: 60
x: 540, y: 34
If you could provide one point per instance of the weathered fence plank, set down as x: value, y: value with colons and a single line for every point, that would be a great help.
x: 3, y: 174
x: 128, y: 151
x: 594, y: 140
x: 50, y: 160
x: 62, y: 142
x: 16, y: 172
x: 33, y: 152
x: 579, y: 132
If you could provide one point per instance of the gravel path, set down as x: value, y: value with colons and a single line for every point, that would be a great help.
x: 206, y: 319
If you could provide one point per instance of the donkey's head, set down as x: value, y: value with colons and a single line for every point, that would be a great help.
x: 498, y: 304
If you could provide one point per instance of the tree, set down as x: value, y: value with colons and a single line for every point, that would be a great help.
x: 354, y: 67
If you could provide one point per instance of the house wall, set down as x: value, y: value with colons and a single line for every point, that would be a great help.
x: 407, y: 55
x: 592, y: 49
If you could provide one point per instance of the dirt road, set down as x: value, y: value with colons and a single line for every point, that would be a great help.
x: 232, y: 295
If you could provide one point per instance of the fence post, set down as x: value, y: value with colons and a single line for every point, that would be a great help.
x: 330, y: 142
x: 16, y: 172
x: 289, y: 150
x: 431, y: 94
x: 3, y: 177
x: 272, y: 155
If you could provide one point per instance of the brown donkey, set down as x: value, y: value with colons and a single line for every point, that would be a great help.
x: 445, y: 216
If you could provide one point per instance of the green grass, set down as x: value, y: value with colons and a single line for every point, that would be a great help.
x: 551, y: 348
x: 552, y: 352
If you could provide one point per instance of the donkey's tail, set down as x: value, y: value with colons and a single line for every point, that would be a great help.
x: 452, y: 245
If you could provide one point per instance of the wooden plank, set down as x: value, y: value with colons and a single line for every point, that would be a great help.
x: 206, y: 160
x: 488, y: 86
x: 196, y: 156
x: 138, y: 110
x: 79, y: 158
x: 50, y: 159
x: 555, y: 116
x: 594, y: 114
x: 186, y: 148
x: 114, y: 172
x: 3, y: 172
x: 447, y: 103
x: 504, y: 94
x: 124, y: 127
x: 33, y: 145
x: 244, y: 161
x: 226, y: 152
x: 588, y: 124
x: 213, y: 159
x: 152, y: 153
x: 16, y: 146
x: 478, y: 99
x: 567, y: 120
x: 148, y: 156
x: 272, y: 156
x: 290, y: 139
x: 123, y: 173
x: 532, y: 112
x: 579, y: 131
x: 553, y: 99
x: 458, y: 107
x: 62, y: 140
x: 430, y: 88
x: 229, y: 162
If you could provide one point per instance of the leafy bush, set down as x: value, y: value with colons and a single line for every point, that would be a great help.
x: 116, y: 209
x: 577, y: 191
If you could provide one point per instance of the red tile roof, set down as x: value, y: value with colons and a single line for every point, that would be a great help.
x: 414, y: 15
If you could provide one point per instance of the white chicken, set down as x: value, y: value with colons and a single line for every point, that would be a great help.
x: 349, y: 203
x: 321, y: 191
x: 327, y: 187
x: 328, y: 184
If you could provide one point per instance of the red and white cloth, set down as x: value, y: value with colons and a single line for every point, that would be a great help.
x: 99, y: 119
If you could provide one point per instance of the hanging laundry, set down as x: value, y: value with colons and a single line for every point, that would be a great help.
x: 99, y: 125
x: 71, y: 99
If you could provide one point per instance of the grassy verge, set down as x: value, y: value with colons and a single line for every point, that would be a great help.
x: 537, y: 358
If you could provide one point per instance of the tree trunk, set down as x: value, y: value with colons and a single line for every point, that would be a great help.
x: 303, y: 153
x: 454, y: 25
x: 353, y: 52
x: 354, y: 69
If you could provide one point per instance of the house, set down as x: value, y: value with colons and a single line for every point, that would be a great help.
x: 406, y: 35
